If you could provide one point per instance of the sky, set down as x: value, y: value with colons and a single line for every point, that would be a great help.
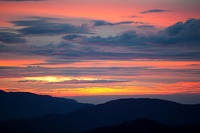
x: 106, y: 48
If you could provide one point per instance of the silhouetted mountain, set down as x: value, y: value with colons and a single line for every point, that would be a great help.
x: 146, y: 126
x: 18, y: 105
x: 108, y: 114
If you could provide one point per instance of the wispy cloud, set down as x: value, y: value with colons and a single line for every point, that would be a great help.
x: 154, y: 11
x: 26, y: 81
x: 134, y: 16
x: 72, y: 37
x: 104, y: 23
x: 146, y: 26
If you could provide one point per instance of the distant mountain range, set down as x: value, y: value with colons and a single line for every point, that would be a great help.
x: 108, y: 114
x: 146, y: 126
x: 18, y: 105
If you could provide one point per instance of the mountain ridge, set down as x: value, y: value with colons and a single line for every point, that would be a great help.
x: 108, y: 114
x: 143, y: 125
x: 26, y: 105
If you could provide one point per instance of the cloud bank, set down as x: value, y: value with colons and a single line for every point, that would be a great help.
x: 177, y: 42
x: 44, y: 27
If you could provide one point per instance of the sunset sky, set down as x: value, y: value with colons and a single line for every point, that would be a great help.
x: 71, y: 48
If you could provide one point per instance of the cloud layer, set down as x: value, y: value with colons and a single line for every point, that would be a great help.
x: 177, y: 42
x: 11, y: 38
x: 44, y: 27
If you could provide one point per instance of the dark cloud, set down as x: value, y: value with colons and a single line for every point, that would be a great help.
x: 25, y: 81
x: 104, y: 23
x: 181, y: 33
x: 154, y: 11
x: 177, y: 42
x: 145, y: 26
x: 124, y: 22
x: 188, y: 31
x: 72, y: 37
x: 45, y: 27
x: 123, y: 38
x: 11, y: 38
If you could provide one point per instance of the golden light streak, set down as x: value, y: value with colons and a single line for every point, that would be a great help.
x: 161, y: 89
x: 58, y: 79
x: 135, y: 89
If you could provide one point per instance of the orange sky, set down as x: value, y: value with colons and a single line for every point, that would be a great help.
x: 51, y: 62
x: 104, y: 10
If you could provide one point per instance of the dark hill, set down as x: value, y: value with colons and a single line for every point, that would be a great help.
x: 122, y: 110
x: 108, y: 114
x: 18, y: 105
x: 146, y: 126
